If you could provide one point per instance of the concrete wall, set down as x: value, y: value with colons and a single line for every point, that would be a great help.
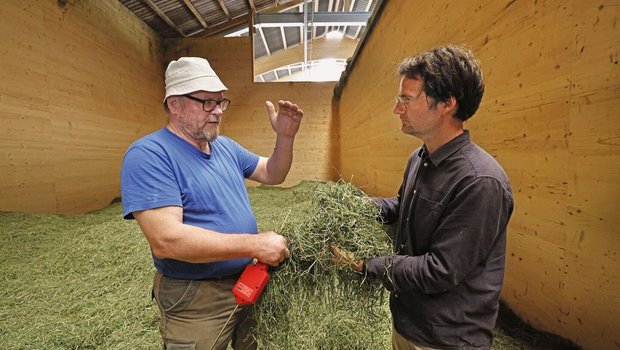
x: 77, y: 85
x: 549, y: 116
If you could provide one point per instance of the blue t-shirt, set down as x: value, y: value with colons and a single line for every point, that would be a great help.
x: 161, y: 169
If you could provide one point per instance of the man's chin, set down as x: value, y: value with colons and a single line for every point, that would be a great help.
x: 211, y: 136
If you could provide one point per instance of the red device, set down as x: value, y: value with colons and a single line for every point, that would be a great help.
x: 251, y: 283
x: 248, y: 288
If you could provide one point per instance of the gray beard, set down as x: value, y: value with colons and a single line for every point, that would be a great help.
x: 210, y: 136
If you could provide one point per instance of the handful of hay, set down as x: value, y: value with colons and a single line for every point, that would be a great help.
x: 310, y: 302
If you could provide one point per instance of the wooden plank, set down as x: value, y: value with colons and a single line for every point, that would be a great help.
x: 549, y: 115
x: 77, y: 86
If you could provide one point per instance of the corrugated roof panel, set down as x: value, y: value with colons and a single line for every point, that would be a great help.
x: 259, y: 48
x: 237, y: 8
x: 274, y: 39
x: 292, y: 36
x: 269, y: 76
x: 181, y: 16
x: 150, y: 18
x: 351, y: 30
x: 324, y: 6
x: 282, y: 73
x: 263, y: 4
x: 214, y: 15
x: 211, y: 11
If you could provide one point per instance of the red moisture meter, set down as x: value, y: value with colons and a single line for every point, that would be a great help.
x: 248, y: 288
x: 251, y: 283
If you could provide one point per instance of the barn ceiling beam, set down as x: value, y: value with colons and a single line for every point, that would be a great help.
x: 224, y: 8
x: 319, y: 19
x: 163, y: 16
x: 252, y: 7
x: 283, y: 7
x: 212, y: 30
x: 195, y: 12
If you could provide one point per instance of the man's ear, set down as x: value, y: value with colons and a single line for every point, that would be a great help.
x: 173, y: 103
x: 450, y: 106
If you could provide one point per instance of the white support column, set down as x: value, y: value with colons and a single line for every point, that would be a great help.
x: 262, y: 36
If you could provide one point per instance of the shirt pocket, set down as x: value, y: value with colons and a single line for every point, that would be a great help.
x: 426, y: 216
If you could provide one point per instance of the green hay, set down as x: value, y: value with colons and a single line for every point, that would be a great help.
x: 83, y: 282
x: 75, y: 282
x: 311, y: 303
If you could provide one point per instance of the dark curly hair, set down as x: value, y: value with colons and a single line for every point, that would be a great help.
x: 448, y: 71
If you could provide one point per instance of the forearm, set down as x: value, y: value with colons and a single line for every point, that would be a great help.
x: 400, y: 273
x: 279, y: 163
x: 388, y: 209
x: 197, y: 245
x: 170, y: 238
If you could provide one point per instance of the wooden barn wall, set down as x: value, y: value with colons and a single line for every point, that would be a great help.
x: 246, y: 119
x: 78, y: 83
x: 550, y: 115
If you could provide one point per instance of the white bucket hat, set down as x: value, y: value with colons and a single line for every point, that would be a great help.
x: 189, y: 74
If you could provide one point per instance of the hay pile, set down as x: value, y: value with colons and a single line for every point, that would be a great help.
x: 84, y: 281
x: 311, y: 303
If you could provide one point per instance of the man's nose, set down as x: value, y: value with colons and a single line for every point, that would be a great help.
x: 398, y: 108
x: 217, y: 110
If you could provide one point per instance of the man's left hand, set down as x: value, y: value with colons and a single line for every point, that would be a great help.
x: 286, y: 121
x: 346, y: 258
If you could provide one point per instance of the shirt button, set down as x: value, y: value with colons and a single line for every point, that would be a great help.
x: 425, y: 163
x: 415, y: 191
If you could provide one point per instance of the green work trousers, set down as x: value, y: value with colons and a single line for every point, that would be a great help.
x: 193, y: 312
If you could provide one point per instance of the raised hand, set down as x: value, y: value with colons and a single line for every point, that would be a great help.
x: 286, y: 121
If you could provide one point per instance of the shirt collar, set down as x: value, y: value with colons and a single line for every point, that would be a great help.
x: 446, y: 150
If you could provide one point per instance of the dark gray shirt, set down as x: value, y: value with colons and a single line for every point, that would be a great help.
x: 450, y: 217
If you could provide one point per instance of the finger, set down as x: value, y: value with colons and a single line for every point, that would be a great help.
x: 270, y: 108
x: 335, y: 251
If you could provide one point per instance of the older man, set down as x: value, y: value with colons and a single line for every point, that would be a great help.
x: 184, y: 184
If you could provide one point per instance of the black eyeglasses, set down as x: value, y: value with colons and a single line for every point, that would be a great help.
x: 209, y: 105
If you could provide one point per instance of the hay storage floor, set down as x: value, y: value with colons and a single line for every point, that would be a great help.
x: 83, y: 282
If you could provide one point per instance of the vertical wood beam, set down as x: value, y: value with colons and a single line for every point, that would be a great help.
x: 252, y: 7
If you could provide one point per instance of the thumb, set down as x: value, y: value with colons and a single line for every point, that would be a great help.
x: 270, y: 109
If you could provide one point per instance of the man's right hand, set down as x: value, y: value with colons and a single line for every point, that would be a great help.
x: 272, y: 248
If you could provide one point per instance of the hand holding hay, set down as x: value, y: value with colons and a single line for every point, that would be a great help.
x: 311, y: 302
x: 346, y: 258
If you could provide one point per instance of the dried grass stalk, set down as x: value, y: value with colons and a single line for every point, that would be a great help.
x: 311, y: 303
